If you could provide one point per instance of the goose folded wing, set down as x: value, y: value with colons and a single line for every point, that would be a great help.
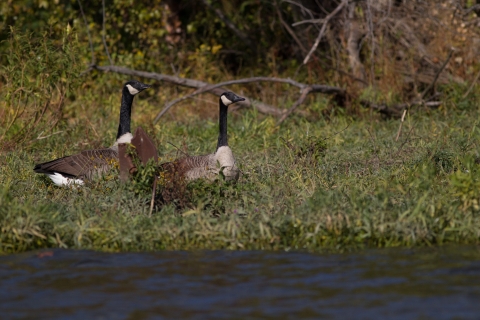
x: 84, y: 164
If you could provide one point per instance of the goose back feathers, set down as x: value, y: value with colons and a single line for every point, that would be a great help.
x: 89, y: 164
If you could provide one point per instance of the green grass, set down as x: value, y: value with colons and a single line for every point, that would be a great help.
x: 310, y: 184
x: 305, y: 186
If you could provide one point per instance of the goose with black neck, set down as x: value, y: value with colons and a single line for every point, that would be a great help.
x: 89, y: 164
x: 210, y: 165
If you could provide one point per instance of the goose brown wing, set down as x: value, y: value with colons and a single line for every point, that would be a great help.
x: 81, y: 165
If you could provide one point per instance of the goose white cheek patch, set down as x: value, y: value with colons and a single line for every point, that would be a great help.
x: 226, y: 101
x: 132, y: 90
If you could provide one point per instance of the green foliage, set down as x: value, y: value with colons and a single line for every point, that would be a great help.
x: 142, y: 179
x: 136, y: 32
x: 38, y: 75
x: 466, y: 186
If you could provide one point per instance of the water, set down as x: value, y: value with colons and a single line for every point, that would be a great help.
x: 375, y: 284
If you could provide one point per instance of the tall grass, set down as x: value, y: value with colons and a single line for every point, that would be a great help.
x: 37, y: 75
x: 336, y: 184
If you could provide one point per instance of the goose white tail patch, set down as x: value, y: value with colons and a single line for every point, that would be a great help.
x: 62, y: 181
x: 132, y: 90
x: 226, y: 101
x: 126, y: 138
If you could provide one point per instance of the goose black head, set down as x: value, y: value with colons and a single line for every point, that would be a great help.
x: 230, y: 97
x: 135, y: 86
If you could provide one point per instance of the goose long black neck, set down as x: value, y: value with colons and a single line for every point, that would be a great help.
x: 222, y: 136
x: 125, y: 113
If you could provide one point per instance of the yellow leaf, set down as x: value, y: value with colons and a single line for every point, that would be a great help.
x: 216, y: 48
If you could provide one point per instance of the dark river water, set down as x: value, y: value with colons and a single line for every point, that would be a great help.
x: 441, y: 283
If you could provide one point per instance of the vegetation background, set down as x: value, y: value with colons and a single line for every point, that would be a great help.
x: 392, y: 161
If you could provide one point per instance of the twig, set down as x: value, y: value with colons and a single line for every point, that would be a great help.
x: 104, y: 33
x: 472, y: 8
x: 88, y: 32
x: 401, y: 124
x: 437, y: 74
x: 322, y: 31
x: 338, y: 132
x: 403, y: 143
x: 471, y: 86
x: 299, y: 101
x: 40, y: 138
x: 230, y: 24
x: 313, y: 21
x: 154, y: 191
x: 302, y: 7
x: 92, y: 126
x: 178, y: 149
x: 289, y: 30
x: 312, y: 88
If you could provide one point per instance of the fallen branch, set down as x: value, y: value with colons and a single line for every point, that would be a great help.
x: 185, y: 82
x: 306, y: 89
x: 217, y: 89
x: 396, y: 110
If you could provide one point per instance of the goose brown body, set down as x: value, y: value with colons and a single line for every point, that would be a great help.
x: 210, y: 165
x: 85, y: 165
x: 205, y: 166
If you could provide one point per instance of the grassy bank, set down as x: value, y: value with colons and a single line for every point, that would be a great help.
x: 309, y: 184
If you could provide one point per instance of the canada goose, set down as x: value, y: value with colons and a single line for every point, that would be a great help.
x: 88, y: 164
x: 209, y: 166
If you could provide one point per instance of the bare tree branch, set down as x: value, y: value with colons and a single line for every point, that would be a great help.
x: 289, y: 30
x: 88, y: 33
x: 302, y: 7
x: 322, y: 31
x: 313, y: 21
x: 104, y: 33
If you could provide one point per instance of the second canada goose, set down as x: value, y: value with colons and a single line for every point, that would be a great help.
x: 209, y: 166
x: 88, y: 164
